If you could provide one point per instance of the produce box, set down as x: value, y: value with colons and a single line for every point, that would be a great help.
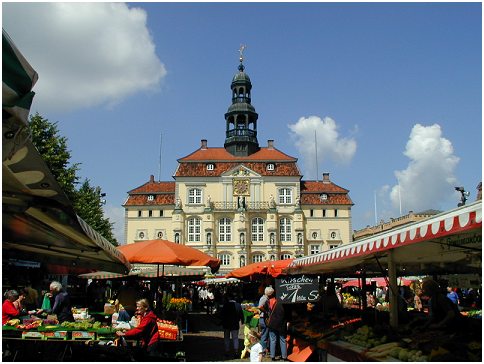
x: 83, y: 335
x: 32, y: 335
x: 167, y: 335
x: 59, y: 335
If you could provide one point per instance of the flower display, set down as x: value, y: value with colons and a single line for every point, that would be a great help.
x: 178, y: 304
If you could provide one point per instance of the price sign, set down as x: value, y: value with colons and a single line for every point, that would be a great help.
x: 297, y: 289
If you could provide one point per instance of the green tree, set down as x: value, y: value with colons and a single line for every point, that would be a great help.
x: 89, y: 207
x: 86, y: 200
x: 53, y: 149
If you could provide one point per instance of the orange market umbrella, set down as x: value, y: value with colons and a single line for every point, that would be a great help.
x: 167, y: 252
x: 271, y: 267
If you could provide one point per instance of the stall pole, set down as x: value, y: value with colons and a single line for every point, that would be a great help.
x: 392, y: 277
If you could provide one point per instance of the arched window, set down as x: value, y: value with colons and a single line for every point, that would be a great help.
x: 285, y: 229
x: 257, y: 229
x: 194, y: 196
x: 285, y: 256
x: 225, y: 229
x: 273, y: 257
x: 194, y: 228
x: 224, y: 259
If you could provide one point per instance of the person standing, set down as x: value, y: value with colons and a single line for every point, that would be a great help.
x: 210, y: 300
x: 232, y: 317
x: 62, y: 303
x: 277, y: 325
x: 453, y: 296
x: 443, y: 313
x: 264, y: 313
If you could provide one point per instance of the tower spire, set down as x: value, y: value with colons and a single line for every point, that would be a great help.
x: 241, y: 118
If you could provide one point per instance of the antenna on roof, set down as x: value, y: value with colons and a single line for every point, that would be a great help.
x: 159, y: 162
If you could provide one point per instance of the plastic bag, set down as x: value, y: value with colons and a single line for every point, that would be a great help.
x: 46, y: 303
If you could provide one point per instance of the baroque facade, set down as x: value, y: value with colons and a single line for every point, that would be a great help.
x: 241, y: 202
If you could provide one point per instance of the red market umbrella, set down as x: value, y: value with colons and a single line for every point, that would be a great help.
x: 380, y: 282
x: 271, y: 267
x: 167, y: 252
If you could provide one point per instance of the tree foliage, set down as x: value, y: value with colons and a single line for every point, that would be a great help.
x: 53, y: 149
x: 87, y: 200
x: 89, y: 207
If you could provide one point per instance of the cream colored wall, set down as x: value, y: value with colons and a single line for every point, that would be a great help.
x: 220, y: 190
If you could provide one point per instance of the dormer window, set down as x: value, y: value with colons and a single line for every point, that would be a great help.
x: 323, y: 197
x: 210, y: 167
x: 151, y: 197
x: 270, y: 166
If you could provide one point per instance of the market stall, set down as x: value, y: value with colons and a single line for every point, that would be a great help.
x: 449, y: 243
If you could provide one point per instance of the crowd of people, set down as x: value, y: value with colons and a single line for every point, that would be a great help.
x: 223, y: 302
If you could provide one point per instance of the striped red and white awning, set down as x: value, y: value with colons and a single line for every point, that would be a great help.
x: 441, y: 238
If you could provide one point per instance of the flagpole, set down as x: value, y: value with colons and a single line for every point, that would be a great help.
x: 159, y: 162
x: 316, y: 149
x: 376, y: 221
x: 400, y: 195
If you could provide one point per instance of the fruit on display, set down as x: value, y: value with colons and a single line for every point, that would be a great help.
x: 364, y: 336
x: 13, y: 322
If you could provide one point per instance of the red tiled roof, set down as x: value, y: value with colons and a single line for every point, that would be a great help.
x: 311, y: 191
x: 220, y: 154
x: 138, y: 200
x: 200, y: 169
x: 163, y: 192
x: 154, y: 187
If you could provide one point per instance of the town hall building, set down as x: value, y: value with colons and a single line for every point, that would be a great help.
x: 242, y: 202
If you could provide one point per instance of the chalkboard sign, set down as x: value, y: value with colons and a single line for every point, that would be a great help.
x: 297, y: 289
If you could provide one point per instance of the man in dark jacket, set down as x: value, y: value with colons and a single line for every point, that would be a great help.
x: 232, y: 316
x: 277, y: 325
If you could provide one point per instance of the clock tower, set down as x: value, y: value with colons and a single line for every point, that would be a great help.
x: 241, y: 118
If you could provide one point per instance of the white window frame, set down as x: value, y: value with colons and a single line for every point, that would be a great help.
x: 151, y: 197
x: 333, y: 246
x: 225, y: 229
x: 314, y: 249
x: 257, y: 229
x: 224, y: 259
x: 285, y: 229
x: 270, y: 166
x: 323, y: 197
x: 285, y: 256
x: 194, y: 228
x: 195, y: 196
x: 285, y: 196
x: 257, y: 258
x: 210, y: 167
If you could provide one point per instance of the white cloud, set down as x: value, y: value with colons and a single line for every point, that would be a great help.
x: 86, y: 54
x: 330, y: 145
x: 115, y: 215
x: 428, y: 181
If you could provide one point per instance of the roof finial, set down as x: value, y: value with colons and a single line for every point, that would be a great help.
x: 241, y: 51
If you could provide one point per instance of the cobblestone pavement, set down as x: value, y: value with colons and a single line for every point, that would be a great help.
x: 204, y: 340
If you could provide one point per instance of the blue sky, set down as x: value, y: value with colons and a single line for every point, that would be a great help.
x: 392, y: 90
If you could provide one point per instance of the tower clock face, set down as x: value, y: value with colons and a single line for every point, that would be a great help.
x: 241, y: 187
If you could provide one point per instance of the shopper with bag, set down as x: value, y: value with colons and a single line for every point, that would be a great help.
x: 62, y: 303
x: 264, y: 314
x: 277, y: 324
